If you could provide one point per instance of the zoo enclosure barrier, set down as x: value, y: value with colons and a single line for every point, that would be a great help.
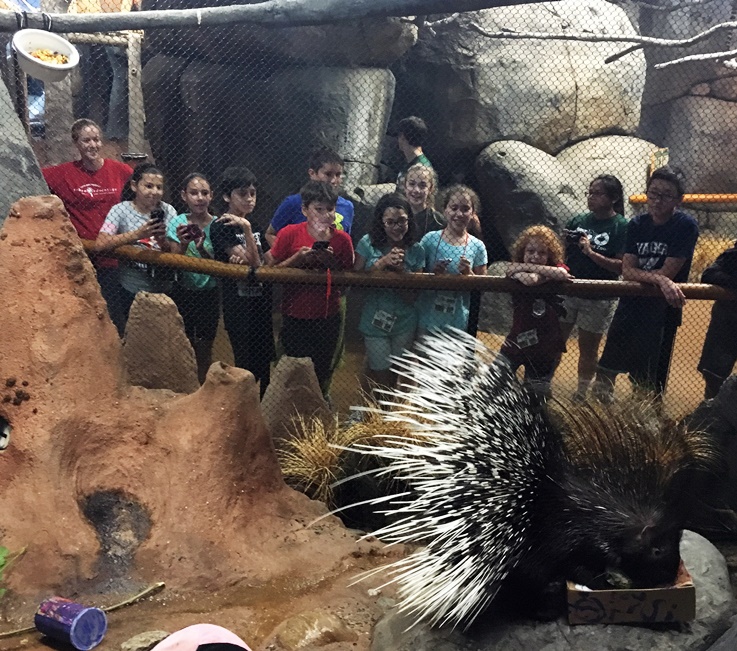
x: 684, y: 385
x: 525, y: 103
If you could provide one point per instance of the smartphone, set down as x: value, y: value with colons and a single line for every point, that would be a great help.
x: 133, y: 157
x: 157, y: 214
x: 320, y: 246
x: 445, y: 261
x: 195, y: 232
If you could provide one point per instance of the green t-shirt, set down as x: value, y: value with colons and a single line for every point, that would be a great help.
x: 189, y: 279
x: 608, y: 238
x: 417, y: 160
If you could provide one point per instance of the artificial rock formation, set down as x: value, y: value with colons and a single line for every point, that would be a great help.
x: 101, y: 479
x: 474, y: 89
x: 157, y: 353
x: 293, y: 391
x: 19, y: 168
x: 524, y: 186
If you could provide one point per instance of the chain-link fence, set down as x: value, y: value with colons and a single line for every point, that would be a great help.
x: 235, y: 120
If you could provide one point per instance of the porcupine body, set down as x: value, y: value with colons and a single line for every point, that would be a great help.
x: 507, y: 497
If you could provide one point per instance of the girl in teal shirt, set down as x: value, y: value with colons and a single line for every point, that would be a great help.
x: 389, y: 318
x: 197, y: 295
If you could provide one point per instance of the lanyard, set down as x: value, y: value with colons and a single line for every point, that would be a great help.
x: 440, y: 239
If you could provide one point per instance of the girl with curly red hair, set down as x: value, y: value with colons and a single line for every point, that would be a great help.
x: 536, y: 341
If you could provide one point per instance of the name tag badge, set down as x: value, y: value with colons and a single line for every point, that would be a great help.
x: 248, y: 290
x: 527, y: 338
x: 383, y: 320
x: 445, y: 304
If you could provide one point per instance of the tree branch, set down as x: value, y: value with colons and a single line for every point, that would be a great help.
x: 639, y: 41
x: 711, y: 56
x: 277, y: 13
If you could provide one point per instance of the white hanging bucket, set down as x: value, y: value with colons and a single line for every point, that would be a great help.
x: 29, y: 41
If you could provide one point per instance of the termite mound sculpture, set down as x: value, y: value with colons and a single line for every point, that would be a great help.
x: 103, y: 480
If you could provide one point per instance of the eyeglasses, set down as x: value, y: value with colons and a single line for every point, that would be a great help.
x: 596, y: 193
x: 399, y: 222
x: 659, y: 196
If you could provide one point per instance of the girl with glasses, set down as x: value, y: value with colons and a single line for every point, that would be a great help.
x: 389, y: 319
x: 594, y: 248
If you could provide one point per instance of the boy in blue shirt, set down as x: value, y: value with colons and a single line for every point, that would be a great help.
x: 325, y: 166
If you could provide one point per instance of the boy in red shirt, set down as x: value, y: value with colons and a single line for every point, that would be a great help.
x: 311, y: 319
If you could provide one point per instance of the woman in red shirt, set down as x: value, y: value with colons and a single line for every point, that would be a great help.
x: 89, y: 188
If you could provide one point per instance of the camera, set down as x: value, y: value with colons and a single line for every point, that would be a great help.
x: 574, y: 235
x: 320, y: 246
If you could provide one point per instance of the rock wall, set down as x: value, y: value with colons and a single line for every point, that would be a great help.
x: 474, y: 90
x: 269, y: 125
x: 19, y: 170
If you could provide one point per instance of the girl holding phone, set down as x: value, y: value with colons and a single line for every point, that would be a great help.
x: 141, y: 219
x: 452, y: 251
x: 197, y: 295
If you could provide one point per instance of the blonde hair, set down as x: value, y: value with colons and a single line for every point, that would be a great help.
x: 430, y: 172
x: 556, y: 252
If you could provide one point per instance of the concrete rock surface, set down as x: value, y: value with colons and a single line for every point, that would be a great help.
x: 521, y: 186
x: 473, y: 89
x: 625, y: 157
x: 157, y: 353
x: 144, y: 641
x: 715, y: 606
x: 19, y: 170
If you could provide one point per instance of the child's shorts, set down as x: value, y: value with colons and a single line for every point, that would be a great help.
x: 379, y: 350
x: 589, y: 314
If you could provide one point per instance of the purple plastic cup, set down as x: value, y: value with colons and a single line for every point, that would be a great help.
x: 67, y: 621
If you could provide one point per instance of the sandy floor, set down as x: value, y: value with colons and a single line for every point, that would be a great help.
x: 685, y: 384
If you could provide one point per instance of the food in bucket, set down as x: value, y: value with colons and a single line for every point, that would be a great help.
x: 49, y: 56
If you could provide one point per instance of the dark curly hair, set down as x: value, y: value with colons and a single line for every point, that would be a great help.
x: 377, y: 232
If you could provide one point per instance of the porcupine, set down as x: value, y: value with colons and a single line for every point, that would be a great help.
x: 507, y: 496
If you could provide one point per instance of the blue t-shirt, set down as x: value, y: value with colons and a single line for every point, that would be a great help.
x: 290, y: 212
x: 385, y: 312
x: 438, y: 309
x: 653, y: 243
x: 190, y: 279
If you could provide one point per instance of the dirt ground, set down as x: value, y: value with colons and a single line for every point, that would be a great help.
x: 685, y: 385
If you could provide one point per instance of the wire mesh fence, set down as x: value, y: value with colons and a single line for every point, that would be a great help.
x: 533, y: 137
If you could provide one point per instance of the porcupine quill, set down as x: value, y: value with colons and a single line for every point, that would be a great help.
x: 504, y: 495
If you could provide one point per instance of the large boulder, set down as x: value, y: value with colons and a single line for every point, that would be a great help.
x: 625, y: 157
x: 702, y: 139
x: 473, y: 89
x: 714, y: 607
x: 269, y: 125
x: 683, y: 21
x: 19, y: 170
x: 521, y: 186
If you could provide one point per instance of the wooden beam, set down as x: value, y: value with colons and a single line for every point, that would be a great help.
x: 276, y: 13
x: 384, y: 279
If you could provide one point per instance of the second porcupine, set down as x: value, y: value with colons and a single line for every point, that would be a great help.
x: 508, y: 497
